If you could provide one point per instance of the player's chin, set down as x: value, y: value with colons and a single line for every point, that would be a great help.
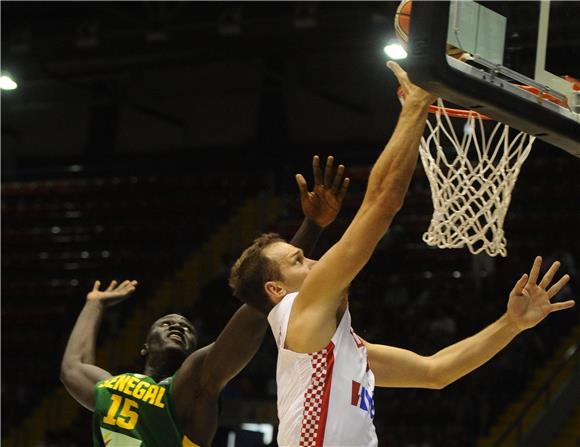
x: 176, y: 347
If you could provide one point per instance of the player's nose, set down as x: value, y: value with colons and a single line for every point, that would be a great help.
x: 175, y: 326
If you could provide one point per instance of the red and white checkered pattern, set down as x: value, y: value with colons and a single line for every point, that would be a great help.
x: 313, y: 399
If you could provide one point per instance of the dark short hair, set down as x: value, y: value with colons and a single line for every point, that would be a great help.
x: 252, y: 270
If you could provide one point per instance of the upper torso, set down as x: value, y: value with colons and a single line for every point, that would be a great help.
x: 324, y: 398
x: 132, y: 410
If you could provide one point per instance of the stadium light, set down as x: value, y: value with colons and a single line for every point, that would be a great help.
x: 267, y: 430
x: 7, y: 83
x: 395, y: 51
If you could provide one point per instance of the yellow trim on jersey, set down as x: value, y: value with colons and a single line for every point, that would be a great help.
x: 185, y: 442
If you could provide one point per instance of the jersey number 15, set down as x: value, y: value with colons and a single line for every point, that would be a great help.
x: 126, y: 418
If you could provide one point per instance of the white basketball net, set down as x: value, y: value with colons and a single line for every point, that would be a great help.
x: 471, y: 179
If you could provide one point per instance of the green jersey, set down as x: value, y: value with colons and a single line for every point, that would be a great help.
x: 132, y: 410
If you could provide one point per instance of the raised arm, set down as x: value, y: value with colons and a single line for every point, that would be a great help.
x: 529, y: 303
x: 313, y: 319
x: 226, y: 357
x: 78, y: 371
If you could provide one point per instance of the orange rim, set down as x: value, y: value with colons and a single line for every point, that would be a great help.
x: 458, y: 113
x: 454, y: 113
x: 465, y: 113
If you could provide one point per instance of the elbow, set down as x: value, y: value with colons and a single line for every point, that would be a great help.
x: 436, y: 382
x: 388, y: 198
x: 390, y: 201
x: 436, y: 378
x: 439, y: 384
x: 66, y: 373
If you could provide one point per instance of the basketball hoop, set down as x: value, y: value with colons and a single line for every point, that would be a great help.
x: 471, y: 178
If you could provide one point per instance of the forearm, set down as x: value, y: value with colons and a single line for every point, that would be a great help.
x: 82, y: 341
x: 307, y: 236
x: 235, y: 347
x: 388, y: 184
x: 394, y: 168
x: 459, y: 359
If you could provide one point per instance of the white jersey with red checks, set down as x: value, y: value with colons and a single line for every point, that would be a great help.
x: 324, y: 398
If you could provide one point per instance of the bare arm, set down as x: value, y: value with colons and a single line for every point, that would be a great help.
x: 307, y: 236
x: 394, y: 367
x: 223, y: 359
x: 528, y: 305
x: 78, y: 372
x: 313, y: 318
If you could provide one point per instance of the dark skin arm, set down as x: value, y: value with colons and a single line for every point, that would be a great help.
x: 208, y: 370
x: 78, y: 371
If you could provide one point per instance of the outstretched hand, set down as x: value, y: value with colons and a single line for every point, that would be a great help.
x: 323, y: 204
x: 529, y: 302
x: 113, y: 294
x: 410, y: 90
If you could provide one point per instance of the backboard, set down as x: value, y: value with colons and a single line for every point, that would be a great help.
x: 513, y: 43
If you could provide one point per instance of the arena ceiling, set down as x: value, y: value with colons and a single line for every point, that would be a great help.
x: 71, y: 39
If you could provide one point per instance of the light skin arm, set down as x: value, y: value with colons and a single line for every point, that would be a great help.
x: 313, y: 318
x: 78, y: 371
x: 529, y: 303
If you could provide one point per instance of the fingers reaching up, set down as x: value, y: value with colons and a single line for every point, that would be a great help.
x: 401, y: 76
x: 113, y: 294
x: 547, y: 278
x: 328, y: 170
x: 549, y: 275
x: 316, y: 171
x: 302, y: 186
x: 410, y: 89
x: 322, y: 204
x: 519, y: 287
x: 530, y: 301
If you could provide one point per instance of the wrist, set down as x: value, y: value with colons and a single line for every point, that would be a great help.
x: 313, y: 225
x: 420, y: 103
x: 510, y: 324
x: 95, y: 304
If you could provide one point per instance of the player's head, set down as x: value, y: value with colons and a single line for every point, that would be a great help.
x: 172, y: 334
x: 267, y: 271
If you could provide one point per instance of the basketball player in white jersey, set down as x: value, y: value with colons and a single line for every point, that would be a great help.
x: 326, y: 374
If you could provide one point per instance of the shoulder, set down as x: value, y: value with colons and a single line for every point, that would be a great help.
x: 279, y: 316
x: 283, y: 308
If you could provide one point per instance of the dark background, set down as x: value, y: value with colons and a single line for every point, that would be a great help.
x: 140, y: 130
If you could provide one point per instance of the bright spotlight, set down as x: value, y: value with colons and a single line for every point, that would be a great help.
x: 6, y: 83
x: 395, y: 51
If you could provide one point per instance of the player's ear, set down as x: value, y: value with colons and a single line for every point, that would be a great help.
x: 275, y: 290
x: 144, y: 350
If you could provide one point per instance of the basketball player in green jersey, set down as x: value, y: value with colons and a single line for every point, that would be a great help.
x: 174, y: 402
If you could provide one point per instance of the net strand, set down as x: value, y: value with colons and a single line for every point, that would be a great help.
x: 471, y: 196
